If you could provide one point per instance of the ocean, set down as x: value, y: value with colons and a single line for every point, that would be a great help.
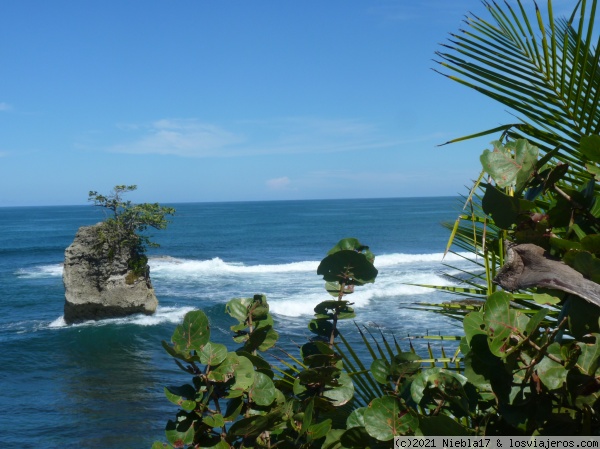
x: 100, y: 384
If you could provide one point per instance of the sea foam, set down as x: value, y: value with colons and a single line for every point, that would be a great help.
x: 163, y: 315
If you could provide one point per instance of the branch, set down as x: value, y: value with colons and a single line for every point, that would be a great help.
x: 529, y: 266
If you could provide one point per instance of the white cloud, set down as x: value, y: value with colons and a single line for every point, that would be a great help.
x: 291, y: 135
x: 190, y: 138
x: 278, y: 183
x: 5, y: 106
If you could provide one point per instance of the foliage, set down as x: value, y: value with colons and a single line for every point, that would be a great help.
x: 533, y: 354
x: 124, y: 229
x: 317, y: 399
x: 528, y: 363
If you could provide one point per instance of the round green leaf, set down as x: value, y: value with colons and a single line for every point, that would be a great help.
x: 551, y: 373
x: 215, y: 420
x: 193, y: 333
x: 504, y: 209
x: 349, y: 266
x: 342, y: 393
x: 380, y: 369
x: 589, y: 356
x: 385, y: 418
x: 506, y: 169
x: 473, y: 324
x: 238, y: 308
x: 181, y: 431
x: 356, y: 418
x: 545, y: 298
x: 244, y: 374
x: 263, y: 391
x: 237, y: 367
x: 504, y: 325
x: 212, y: 353
x: 182, y: 396
x: 405, y: 364
x: 319, y: 429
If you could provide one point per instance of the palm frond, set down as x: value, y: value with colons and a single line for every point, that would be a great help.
x: 545, y: 70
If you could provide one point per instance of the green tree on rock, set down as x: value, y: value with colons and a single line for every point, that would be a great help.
x: 125, y: 228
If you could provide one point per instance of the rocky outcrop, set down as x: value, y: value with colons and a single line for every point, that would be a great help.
x: 99, y: 282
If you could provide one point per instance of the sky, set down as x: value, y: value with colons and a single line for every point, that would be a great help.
x: 197, y: 100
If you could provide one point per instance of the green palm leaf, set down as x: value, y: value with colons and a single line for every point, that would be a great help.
x: 545, y: 70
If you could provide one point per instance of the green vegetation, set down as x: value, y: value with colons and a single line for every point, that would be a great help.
x: 124, y: 229
x: 528, y: 362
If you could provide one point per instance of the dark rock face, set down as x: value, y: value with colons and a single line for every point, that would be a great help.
x: 98, y: 282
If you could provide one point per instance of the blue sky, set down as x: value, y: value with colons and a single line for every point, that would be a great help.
x: 197, y: 100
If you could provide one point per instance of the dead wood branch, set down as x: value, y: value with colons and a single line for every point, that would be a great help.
x: 529, y: 266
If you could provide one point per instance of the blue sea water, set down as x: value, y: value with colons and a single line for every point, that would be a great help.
x: 100, y: 384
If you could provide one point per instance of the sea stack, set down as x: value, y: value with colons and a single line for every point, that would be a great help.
x: 99, y: 282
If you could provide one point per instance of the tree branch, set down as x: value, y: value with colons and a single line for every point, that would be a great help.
x: 529, y: 266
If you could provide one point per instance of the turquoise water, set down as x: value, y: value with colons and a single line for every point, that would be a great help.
x: 100, y: 384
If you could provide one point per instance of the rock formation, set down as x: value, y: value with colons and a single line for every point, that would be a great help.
x: 99, y: 282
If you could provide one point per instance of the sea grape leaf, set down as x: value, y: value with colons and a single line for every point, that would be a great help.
x: 477, y: 372
x: 507, y: 170
x: 259, y: 308
x: 193, y: 333
x: 356, y: 418
x: 587, y: 361
x: 226, y: 369
x: 238, y: 308
x: 545, y: 298
x: 380, y: 369
x: 333, y: 288
x: 555, y: 175
x: 352, y: 244
x: 386, y: 418
x: 234, y: 408
x: 180, y: 432
x: 347, y: 266
x: 319, y: 429
x: 433, y: 384
x: 160, y: 445
x: 327, y: 309
x: 551, y: 373
x: 234, y: 366
x: 212, y: 353
x: 332, y: 439
x: 473, y: 324
x: 269, y: 341
x: 504, y: 325
x: 405, y: 364
x: 262, y: 338
x: 342, y: 393
x: 215, y: 420
x: 244, y: 374
x: 178, y: 354
x: 182, y: 396
x: 505, y: 210
x: 322, y: 327
x: 262, y: 391
x: 252, y: 426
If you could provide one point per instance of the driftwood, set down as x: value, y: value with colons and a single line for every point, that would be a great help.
x: 529, y: 266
